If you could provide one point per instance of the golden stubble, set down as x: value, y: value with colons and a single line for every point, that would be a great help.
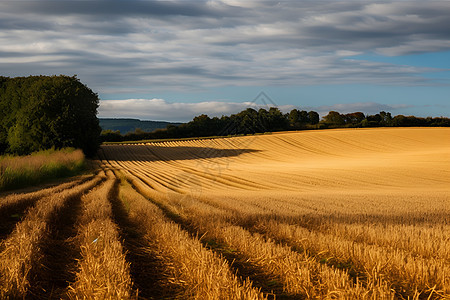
x: 363, y: 210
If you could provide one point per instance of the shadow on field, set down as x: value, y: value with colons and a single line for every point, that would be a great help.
x: 146, y: 269
x: 11, y: 214
x: 60, y: 254
x: 159, y: 153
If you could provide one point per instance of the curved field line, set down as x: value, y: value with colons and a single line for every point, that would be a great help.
x: 103, y: 272
x: 295, y: 271
x: 14, y: 199
x: 200, y: 273
x: 21, y: 252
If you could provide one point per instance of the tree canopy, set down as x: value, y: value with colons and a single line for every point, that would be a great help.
x: 42, y: 112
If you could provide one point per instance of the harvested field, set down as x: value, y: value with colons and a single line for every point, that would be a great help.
x: 335, y: 214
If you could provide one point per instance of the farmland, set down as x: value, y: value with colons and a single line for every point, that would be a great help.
x: 333, y: 214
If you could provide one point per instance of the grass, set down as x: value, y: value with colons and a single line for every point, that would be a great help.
x: 39, y: 167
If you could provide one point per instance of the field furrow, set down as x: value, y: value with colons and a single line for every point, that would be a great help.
x: 298, y: 274
x: 14, y: 205
x: 22, y: 254
x: 102, y: 270
x: 190, y: 270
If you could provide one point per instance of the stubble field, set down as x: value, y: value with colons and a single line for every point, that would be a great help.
x: 335, y: 214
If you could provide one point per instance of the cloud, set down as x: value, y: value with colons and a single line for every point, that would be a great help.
x: 179, y: 45
x: 113, y: 8
x: 159, y: 109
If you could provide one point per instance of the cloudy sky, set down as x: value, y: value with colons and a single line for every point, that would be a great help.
x: 172, y: 60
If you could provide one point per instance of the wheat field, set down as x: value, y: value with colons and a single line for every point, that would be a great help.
x: 332, y: 214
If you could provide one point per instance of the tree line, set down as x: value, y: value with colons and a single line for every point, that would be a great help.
x: 43, y: 112
x: 251, y: 121
x: 383, y: 119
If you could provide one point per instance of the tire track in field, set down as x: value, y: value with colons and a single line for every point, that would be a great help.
x: 239, y: 266
x: 59, y: 251
x: 23, y: 254
x: 188, y: 265
x: 146, y: 269
x: 251, y: 224
x: 208, y: 178
x: 14, y: 206
x: 60, y: 254
x: 179, y: 181
x: 102, y: 271
x: 244, y: 265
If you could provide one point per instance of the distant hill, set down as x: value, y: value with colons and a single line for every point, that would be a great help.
x: 129, y: 125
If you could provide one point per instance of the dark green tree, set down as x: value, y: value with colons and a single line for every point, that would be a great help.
x: 277, y: 120
x: 303, y: 117
x: 294, y: 118
x: 334, y: 118
x: 354, y: 118
x: 314, y: 117
x: 386, y: 118
x: 48, y: 111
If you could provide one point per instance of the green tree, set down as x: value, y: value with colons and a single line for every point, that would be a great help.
x: 314, y: 117
x: 354, y: 118
x: 110, y: 136
x: 303, y: 117
x: 277, y: 121
x: 200, y: 125
x: 263, y: 119
x: 48, y: 111
x: 294, y: 118
x: 334, y: 118
x: 386, y: 118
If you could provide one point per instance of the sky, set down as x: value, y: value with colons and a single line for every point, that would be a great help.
x: 173, y: 60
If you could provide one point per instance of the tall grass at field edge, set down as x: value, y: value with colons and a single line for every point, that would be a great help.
x: 21, y: 171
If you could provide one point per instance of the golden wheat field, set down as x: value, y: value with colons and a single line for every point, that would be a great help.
x: 331, y: 214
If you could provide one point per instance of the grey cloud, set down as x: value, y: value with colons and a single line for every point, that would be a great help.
x: 194, y: 44
x: 10, y: 23
x: 109, y: 8
x: 159, y: 109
